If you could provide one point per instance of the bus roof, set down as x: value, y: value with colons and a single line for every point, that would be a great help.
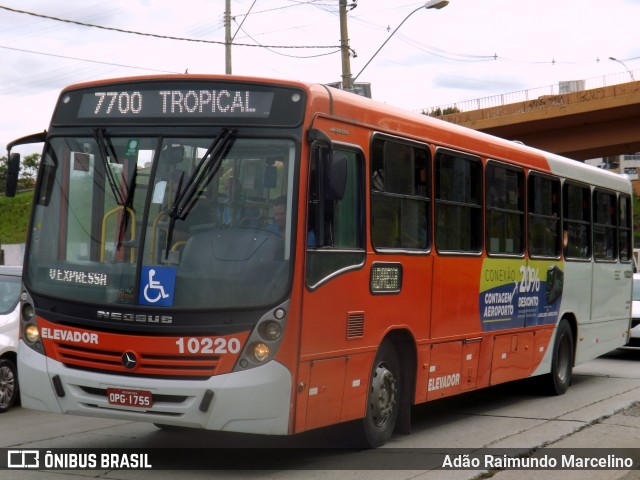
x: 473, y: 141
x: 187, y: 77
x: 390, y: 119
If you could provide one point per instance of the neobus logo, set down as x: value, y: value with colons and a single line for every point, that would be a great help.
x: 134, y: 317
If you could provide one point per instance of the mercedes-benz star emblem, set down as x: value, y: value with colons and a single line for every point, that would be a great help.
x: 129, y: 360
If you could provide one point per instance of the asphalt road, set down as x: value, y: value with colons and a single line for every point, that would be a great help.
x: 600, y: 410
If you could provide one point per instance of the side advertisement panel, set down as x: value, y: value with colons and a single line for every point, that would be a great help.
x: 517, y: 293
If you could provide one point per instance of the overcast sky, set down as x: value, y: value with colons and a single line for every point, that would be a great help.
x: 468, y: 50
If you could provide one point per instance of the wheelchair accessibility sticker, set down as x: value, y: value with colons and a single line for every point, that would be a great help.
x: 156, y: 286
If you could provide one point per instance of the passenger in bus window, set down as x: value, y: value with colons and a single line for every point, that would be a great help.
x: 311, y: 238
x: 279, y: 214
x: 422, y: 175
x: 377, y: 180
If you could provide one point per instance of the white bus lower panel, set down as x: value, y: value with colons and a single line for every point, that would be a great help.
x: 254, y: 401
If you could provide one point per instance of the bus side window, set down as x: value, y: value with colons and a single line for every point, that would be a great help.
x: 624, y: 227
x: 576, y: 203
x: 335, y: 227
x: 604, y: 226
x: 505, y: 209
x: 544, y: 216
x: 400, y: 195
x: 458, y: 202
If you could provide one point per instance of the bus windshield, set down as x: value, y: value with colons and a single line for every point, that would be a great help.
x: 180, y: 222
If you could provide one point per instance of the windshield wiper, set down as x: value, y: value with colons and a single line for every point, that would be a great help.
x: 204, y: 172
x: 123, y: 199
x: 103, y: 148
x: 127, y: 206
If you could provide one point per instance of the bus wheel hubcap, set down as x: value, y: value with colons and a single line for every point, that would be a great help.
x: 383, y: 395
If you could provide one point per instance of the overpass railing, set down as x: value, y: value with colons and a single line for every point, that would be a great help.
x: 530, y: 94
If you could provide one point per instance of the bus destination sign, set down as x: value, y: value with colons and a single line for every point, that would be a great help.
x: 176, y: 103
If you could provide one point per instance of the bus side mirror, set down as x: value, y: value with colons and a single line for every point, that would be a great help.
x: 13, y: 171
x: 336, y: 178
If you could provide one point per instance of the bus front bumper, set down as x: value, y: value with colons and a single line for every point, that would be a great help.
x: 254, y: 401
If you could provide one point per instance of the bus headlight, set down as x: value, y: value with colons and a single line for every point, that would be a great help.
x: 271, y: 331
x: 27, y: 312
x: 265, y: 339
x: 31, y: 333
x: 260, y: 352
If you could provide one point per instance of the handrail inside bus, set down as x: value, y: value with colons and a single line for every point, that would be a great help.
x: 154, y: 233
x: 103, y: 240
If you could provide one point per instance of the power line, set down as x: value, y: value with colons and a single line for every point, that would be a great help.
x: 465, y: 57
x: 282, y: 54
x: 296, y: 4
x: 155, y: 35
x: 243, y: 20
x: 432, y: 50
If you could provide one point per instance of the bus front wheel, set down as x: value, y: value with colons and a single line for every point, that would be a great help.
x: 383, y: 399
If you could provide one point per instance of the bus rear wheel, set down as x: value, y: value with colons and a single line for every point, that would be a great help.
x: 557, y: 382
x: 383, y: 399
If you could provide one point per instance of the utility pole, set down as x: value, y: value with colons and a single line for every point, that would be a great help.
x: 227, y: 37
x: 344, y: 47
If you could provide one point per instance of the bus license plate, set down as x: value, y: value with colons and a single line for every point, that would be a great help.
x: 125, y: 397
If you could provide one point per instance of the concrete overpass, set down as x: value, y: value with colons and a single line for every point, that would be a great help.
x: 568, y: 119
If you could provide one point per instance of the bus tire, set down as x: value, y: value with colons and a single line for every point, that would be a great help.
x: 557, y: 382
x: 383, y: 398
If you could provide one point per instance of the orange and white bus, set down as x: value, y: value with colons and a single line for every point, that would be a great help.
x: 267, y: 256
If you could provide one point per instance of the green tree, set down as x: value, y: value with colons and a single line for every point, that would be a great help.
x: 28, y: 170
x: 3, y: 173
x: 439, y: 112
x: 3, y: 167
x: 30, y: 165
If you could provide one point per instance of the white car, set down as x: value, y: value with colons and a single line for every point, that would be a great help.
x: 634, y: 338
x: 9, y: 318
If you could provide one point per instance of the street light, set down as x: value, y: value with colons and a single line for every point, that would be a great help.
x: 437, y: 4
x: 623, y: 64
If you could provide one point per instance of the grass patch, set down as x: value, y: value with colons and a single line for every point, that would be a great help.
x: 14, y: 218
